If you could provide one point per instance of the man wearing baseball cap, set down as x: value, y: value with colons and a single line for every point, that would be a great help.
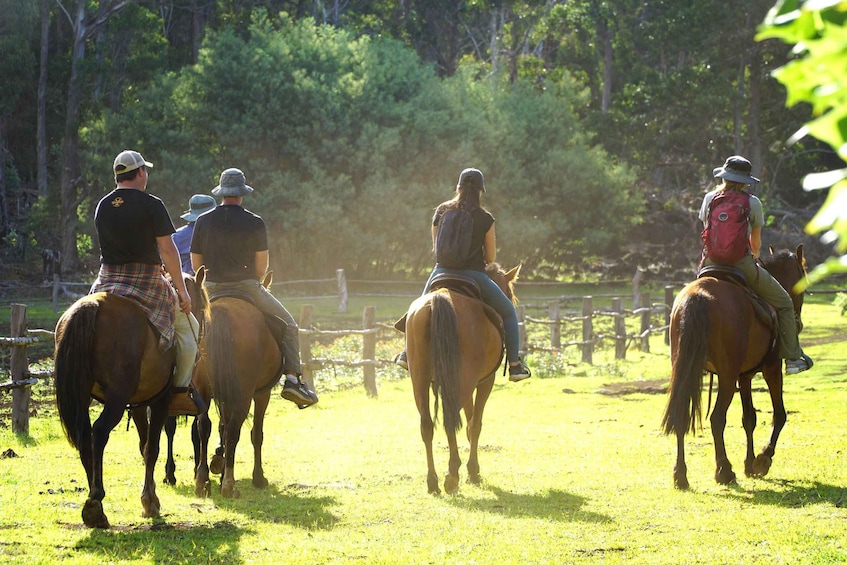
x: 134, y: 229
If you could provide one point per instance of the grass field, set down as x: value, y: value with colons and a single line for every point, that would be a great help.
x: 574, y: 470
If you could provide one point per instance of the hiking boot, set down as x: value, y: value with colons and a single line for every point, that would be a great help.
x: 401, y: 360
x: 299, y: 393
x: 519, y: 372
x: 185, y: 402
x: 794, y: 366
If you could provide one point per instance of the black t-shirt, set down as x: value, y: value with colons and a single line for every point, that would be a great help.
x: 482, y: 222
x: 229, y: 237
x: 128, y: 221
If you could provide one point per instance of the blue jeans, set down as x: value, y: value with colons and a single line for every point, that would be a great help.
x: 497, y: 299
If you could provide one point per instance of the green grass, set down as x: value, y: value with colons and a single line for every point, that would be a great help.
x: 570, y: 476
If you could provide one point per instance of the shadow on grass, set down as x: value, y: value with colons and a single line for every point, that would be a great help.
x: 162, y: 542
x: 555, y: 505
x: 292, y: 505
x: 787, y: 494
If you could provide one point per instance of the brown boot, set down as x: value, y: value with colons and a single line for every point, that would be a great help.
x: 185, y: 402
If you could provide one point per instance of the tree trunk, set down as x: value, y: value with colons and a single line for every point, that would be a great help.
x: 605, y: 37
x: 41, y: 125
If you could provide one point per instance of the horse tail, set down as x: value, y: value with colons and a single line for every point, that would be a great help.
x: 446, y: 359
x: 222, y: 370
x: 74, y: 370
x: 684, y: 411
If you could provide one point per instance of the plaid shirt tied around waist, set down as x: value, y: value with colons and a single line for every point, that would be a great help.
x: 146, y: 285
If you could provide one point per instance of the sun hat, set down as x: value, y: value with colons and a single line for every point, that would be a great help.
x: 473, y: 178
x: 736, y: 169
x: 198, y: 204
x: 232, y: 183
x: 129, y: 160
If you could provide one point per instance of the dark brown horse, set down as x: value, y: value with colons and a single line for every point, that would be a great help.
x: 714, y: 328
x: 107, y: 350
x: 240, y: 363
x: 454, y: 348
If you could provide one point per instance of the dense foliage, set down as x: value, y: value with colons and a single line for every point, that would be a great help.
x: 353, y: 120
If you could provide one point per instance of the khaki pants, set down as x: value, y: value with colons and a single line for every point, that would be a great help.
x: 185, y: 341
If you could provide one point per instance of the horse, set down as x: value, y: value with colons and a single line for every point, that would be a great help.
x: 714, y: 328
x: 454, y: 347
x: 199, y: 306
x: 107, y: 350
x: 235, y: 372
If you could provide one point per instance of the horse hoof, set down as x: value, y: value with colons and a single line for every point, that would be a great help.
x: 681, y: 483
x: 203, y: 489
x: 451, y: 484
x: 475, y: 479
x: 725, y: 476
x: 169, y: 480
x: 260, y: 482
x: 93, y: 516
x: 216, y: 465
x: 761, y: 465
x: 151, y: 506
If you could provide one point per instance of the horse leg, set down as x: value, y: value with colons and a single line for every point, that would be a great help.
x: 139, y: 418
x: 723, y: 468
x: 451, y: 481
x: 170, y: 465
x: 473, y: 416
x: 149, y: 500
x: 748, y: 420
x: 232, y: 433
x: 201, y: 430
x: 216, y: 465
x: 257, y: 436
x: 680, y: 470
x: 427, y: 433
x: 92, y: 512
x: 773, y: 377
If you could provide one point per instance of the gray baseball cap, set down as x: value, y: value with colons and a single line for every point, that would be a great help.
x: 129, y: 160
x: 232, y: 183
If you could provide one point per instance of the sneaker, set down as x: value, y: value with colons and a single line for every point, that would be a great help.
x: 184, y: 402
x: 794, y: 366
x: 519, y: 372
x: 401, y: 360
x: 299, y: 393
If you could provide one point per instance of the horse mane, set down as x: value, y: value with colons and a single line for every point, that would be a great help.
x: 496, y: 272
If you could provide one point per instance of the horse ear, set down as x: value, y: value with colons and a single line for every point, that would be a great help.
x: 799, y: 253
x: 200, y: 275
x: 512, y: 275
x: 268, y: 279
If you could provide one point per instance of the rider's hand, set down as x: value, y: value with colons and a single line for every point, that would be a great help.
x: 184, y: 301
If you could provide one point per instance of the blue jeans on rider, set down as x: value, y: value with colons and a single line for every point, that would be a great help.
x: 494, y: 297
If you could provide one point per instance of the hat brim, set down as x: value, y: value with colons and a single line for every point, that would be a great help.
x: 232, y: 190
x: 192, y: 215
x: 734, y: 176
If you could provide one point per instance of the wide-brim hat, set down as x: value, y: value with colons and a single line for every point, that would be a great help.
x: 129, y: 160
x: 232, y: 183
x: 198, y: 204
x: 736, y: 169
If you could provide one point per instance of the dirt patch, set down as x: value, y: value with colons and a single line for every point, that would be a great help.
x: 656, y: 386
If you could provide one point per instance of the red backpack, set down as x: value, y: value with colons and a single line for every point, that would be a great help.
x: 725, y: 238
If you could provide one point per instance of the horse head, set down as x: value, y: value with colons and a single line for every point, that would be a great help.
x: 505, y: 279
x: 789, y: 268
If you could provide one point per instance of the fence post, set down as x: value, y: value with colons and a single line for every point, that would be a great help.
x: 369, y: 350
x: 647, y: 306
x: 668, y: 305
x: 18, y: 365
x: 620, y: 329
x: 305, y: 322
x: 520, y: 311
x: 636, y: 282
x: 342, y: 290
x: 555, y: 328
x: 587, y: 330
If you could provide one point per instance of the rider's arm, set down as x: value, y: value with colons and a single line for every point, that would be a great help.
x: 261, y: 264
x: 489, y: 246
x: 170, y: 257
x: 756, y: 241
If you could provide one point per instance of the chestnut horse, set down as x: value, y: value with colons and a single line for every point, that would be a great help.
x: 240, y: 363
x: 714, y: 328
x: 107, y: 350
x: 455, y: 348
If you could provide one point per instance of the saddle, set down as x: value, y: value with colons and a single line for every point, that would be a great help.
x: 765, y: 313
x: 276, y: 326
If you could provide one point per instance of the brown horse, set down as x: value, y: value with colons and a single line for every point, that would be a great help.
x: 240, y: 362
x: 107, y: 350
x: 714, y: 328
x: 453, y: 347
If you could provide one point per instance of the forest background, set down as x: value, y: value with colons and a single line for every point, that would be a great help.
x: 597, y: 124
